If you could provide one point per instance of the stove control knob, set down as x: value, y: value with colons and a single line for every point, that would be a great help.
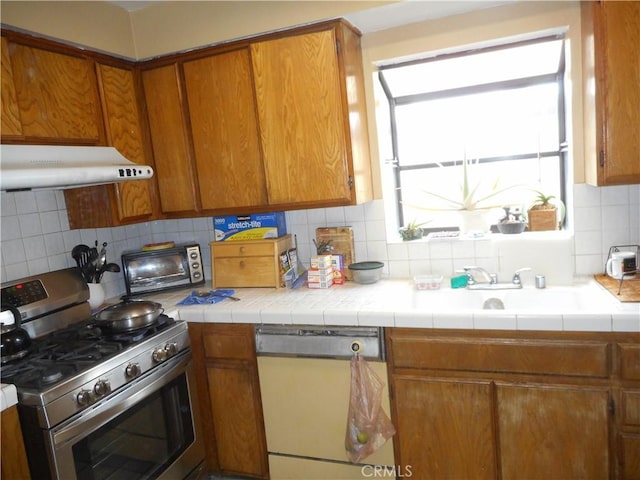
x: 132, y: 370
x: 102, y: 387
x: 159, y: 355
x: 83, y: 398
x: 171, y: 349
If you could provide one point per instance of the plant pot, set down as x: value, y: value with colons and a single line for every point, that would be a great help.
x: 511, y: 228
x: 410, y: 234
x: 542, y: 219
x: 475, y: 221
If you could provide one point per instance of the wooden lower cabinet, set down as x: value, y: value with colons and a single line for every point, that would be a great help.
x: 445, y: 428
x: 473, y: 404
x: 553, y: 431
x: 14, y: 464
x: 229, y: 395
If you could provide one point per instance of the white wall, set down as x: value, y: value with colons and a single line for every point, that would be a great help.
x: 36, y: 238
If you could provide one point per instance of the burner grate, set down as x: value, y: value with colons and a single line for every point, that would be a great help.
x: 61, y: 354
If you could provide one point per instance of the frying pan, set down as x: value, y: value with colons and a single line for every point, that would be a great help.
x: 129, y: 315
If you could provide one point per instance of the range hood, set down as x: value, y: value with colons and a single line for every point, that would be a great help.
x: 27, y: 167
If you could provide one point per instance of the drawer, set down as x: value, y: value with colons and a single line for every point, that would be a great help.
x: 246, y: 272
x: 230, y: 249
x: 229, y: 345
x: 251, y: 263
x: 630, y: 361
x: 631, y: 407
x: 588, y: 359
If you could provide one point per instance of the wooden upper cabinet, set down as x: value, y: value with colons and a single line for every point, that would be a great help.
x: 225, y: 131
x: 11, y: 125
x: 311, y: 131
x: 169, y: 137
x: 121, y: 203
x: 55, y: 95
x: 611, y: 62
x: 123, y: 122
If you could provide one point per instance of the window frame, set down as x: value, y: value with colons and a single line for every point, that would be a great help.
x: 559, y: 77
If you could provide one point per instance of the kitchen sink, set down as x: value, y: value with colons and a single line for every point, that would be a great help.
x: 551, y: 300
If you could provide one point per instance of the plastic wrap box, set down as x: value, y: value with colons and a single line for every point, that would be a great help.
x: 258, y: 226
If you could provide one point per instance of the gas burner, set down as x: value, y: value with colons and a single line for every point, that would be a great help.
x: 51, y: 375
x: 134, y: 336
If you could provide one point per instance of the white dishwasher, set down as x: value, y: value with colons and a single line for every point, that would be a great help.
x: 305, y: 383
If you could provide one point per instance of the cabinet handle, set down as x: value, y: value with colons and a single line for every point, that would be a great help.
x: 601, y: 158
x: 241, y: 263
x: 242, y: 250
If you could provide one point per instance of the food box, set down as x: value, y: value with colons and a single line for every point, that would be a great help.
x: 321, y: 261
x: 258, y: 226
x: 319, y: 275
x: 338, y: 269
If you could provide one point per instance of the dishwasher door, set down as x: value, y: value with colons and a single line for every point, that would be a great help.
x: 305, y: 405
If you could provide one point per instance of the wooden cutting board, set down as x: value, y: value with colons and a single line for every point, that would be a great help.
x: 341, y: 243
x: 630, y: 291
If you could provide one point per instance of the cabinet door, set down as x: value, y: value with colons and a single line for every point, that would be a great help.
x: 11, y: 125
x: 611, y: 58
x: 620, y: 79
x: 225, y: 131
x: 229, y: 392
x: 233, y: 398
x: 444, y: 428
x: 121, y: 203
x: 56, y: 94
x: 553, y: 432
x: 14, y: 457
x: 171, y: 151
x: 124, y: 131
x: 302, y: 119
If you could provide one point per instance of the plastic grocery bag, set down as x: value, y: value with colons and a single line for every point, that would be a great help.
x: 368, y: 426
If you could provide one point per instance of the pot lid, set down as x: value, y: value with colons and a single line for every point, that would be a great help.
x: 366, y: 265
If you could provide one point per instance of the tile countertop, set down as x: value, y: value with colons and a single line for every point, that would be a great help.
x: 583, y: 306
x: 8, y: 396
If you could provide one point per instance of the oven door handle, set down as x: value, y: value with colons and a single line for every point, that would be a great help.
x: 114, y: 405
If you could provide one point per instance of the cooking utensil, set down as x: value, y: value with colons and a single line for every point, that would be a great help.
x: 205, y: 293
x: 15, y: 340
x: 109, y: 267
x: 129, y: 315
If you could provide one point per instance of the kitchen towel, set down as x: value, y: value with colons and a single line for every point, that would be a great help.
x: 214, y: 296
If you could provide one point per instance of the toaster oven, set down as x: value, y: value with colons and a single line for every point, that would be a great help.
x: 148, y: 271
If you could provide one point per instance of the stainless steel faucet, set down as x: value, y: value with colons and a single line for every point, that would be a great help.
x: 491, y: 278
x: 516, y: 276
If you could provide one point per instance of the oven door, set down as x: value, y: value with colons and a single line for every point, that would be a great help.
x: 156, y: 271
x: 148, y: 430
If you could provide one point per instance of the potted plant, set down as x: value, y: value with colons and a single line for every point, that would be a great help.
x: 413, y: 231
x: 543, y: 214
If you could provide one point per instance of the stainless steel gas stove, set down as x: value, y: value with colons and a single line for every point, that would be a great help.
x: 95, y: 402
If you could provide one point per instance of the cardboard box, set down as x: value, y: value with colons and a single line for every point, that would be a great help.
x: 338, y: 269
x: 321, y: 261
x: 258, y: 226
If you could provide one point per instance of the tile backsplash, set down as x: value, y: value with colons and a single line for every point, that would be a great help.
x: 35, y: 237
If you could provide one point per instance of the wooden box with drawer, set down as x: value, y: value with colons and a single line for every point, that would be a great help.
x: 250, y: 263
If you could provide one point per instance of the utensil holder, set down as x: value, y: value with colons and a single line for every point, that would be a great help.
x: 96, y: 295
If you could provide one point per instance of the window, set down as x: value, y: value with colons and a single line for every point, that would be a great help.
x: 500, y: 109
